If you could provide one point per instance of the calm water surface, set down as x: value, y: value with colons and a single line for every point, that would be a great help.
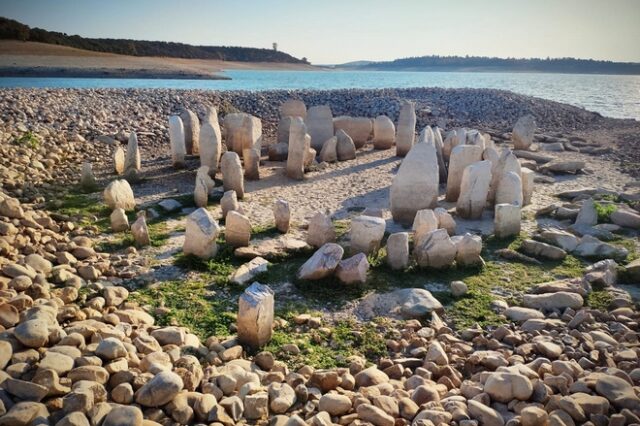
x: 611, y: 95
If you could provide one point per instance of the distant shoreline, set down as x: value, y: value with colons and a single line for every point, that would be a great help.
x: 151, y: 74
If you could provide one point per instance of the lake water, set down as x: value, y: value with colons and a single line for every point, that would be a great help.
x: 611, y: 95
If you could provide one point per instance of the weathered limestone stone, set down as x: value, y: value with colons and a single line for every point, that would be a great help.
x: 442, y: 166
x: 118, y: 194
x: 319, y: 123
x: 406, y: 130
x: 528, y: 184
x: 345, y: 148
x: 560, y: 238
x: 309, y: 158
x: 353, y: 270
x: 249, y: 270
x: 445, y: 220
x: 255, y: 316
x: 242, y: 131
x: 366, y: 234
x: 160, y: 390
x: 505, y: 387
x: 468, y: 249
x: 87, y: 179
x: 228, y: 203
x: 251, y: 159
x: 563, y: 166
x: 132, y: 162
x: 461, y: 157
x: 384, y: 132
x: 398, y: 250
x: 522, y: 135
x: 427, y: 136
x: 232, y: 177
x: 140, y: 231
x: 119, y: 220
x: 177, y: 141
x: 625, y: 217
x: 323, y: 262
x: 415, y: 186
x: 299, y: 142
x: 329, y: 152
x: 211, y: 144
x: 587, y: 214
x: 550, y: 301
x: 282, y: 215
x: 237, y: 229
x: 284, y: 124
x: 118, y: 160
x: 320, y: 230
x: 474, y: 189
x: 204, y: 184
x: 453, y: 138
x: 436, y: 250
x: 458, y: 288
x: 358, y: 128
x: 191, y: 125
x: 507, y: 162
x: 424, y: 223
x: 506, y: 220
x: 289, y: 109
x: 538, y: 249
x: 200, y: 236
x: 509, y: 189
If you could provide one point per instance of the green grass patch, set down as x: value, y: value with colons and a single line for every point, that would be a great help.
x: 87, y: 210
x: 599, y: 300
x: 604, y: 211
x: 29, y: 140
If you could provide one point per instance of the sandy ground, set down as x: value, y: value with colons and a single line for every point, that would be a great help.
x: 16, y: 54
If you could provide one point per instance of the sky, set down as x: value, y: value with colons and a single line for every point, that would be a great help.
x: 338, y: 31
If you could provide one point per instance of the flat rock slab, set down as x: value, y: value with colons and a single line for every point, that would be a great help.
x: 271, y: 248
x: 406, y: 303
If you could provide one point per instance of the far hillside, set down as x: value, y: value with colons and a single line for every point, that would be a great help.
x: 14, y: 30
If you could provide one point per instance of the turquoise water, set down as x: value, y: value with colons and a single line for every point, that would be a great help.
x: 611, y: 95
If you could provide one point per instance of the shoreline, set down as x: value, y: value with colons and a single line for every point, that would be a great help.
x: 107, y: 73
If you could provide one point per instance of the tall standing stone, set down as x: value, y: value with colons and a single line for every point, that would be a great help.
x: 461, y: 157
x: 507, y: 162
x: 204, y: 184
x: 298, y: 146
x: 415, y: 186
x: 210, y: 145
x: 237, y: 231
x: 118, y: 160
x: 398, y: 250
x: 345, y: 148
x: 319, y: 124
x: 87, y: 179
x: 191, y: 125
x: 132, y: 162
x: 176, y: 139
x: 474, y: 189
x: 242, y: 131
x: 523, y: 131
x: 251, y: 159
x: 232, y: 176
x: 255, y: 316
x: 282, y: 215
x: 201, y: 232
x: 320, y: 230
x: 527, y: 185
x: 442, y: 167
x: 406, y: 130
x: 509, y: 189
x: 358, y: 128
x: 454, y: 138
x: 506, y: 220
x: 288, y: 110
x: 384, y: 132
x: 366, y: 234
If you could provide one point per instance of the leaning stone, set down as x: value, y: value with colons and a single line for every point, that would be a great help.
x: 323, y: 262
x: 282, y: 215
x: 119, y: 220
x: 507, y: 220
x: 468, y: 249
x: 319, y: 124
x: 140, y: 231
x: 229, y: 203
x: 118, y: 194
x: 177, y: 141
x: 590, y: 246
x: 255, y: 316
x: 474, y: 190
x: 424, y: 223
x: 398, y: 250
x: 200, y: 234
x: 26, y: 391
x: 436, y: 250
x: 562, y: 239
x: 204, y: 184
x: 461, y: 157
x: 366, y: 234
x: 211, y: 145
x: 415, y: 186
x: 345, y: 148
x: 232, y: 176
x: 522, y: 135
x: 353, y: 270
x: 237, y: 229
x: 191, y: 125
x: 406, y: 130
x: 320, y: 230
x: 329, y: 151
x: 132, y: 162
x: 509, y: 189
x: 298, y: 146
x: 507, y: 162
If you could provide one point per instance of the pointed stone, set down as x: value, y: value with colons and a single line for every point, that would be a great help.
x: 345, y: 147
x: 132, y: 162
x: 119, y: 220
x: 228, y: 203
x: 329, y: 151
x: 204, y: 184
x: 507, y: 162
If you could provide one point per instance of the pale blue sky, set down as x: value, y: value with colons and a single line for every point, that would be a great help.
x: 336, y: 31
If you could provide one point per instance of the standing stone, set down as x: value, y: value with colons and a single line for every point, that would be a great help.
x: 251, y: 159
x: 445, y: 220
x: 309, y: 158
x: 210, y: 145
x: 353, y: 270
x: 140, y: 231
x: 229, y: 203
x: 320, y: 231
x: 424, y: 223
x: 329, y: 152
x: 191, y: 125
x: 427, y: 136
x: 366, y: 234
x: 384, y: 132
x: 289, y: 109
x: 232, y: 177
x: 255, y: 316
x: 282, y: 215
x: 204, y: 184
x: 474, y: 189
x: 506, y: 220
x: 119, y: 220
x: 358, y: 128
x: 298, y: 146
x: 176, y: 139
x: 200, y: 234
x: 398, y: 250
x: 454, y: 138
x: 461, y: 157
x: 507, y: 162
x: 468, y: 249
x: 522, y: 135
x: 132, y: 162
x: 587, y: 215
x: 406, y: 131
x: 237, y: 229
x: 118, y: 194
x: 345, y: 148
x: 442, y: 167
x: 284, y: 125
x: 87, y: 179
x: 242, y: 131
x: 118, y: 160
x: 509, y: 189
x: 436, y: 250
x: 415, y: 186
x: 319, y: 124
x: 527, y: 185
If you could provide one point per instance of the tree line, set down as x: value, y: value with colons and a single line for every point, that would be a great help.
x: 14, y: 30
